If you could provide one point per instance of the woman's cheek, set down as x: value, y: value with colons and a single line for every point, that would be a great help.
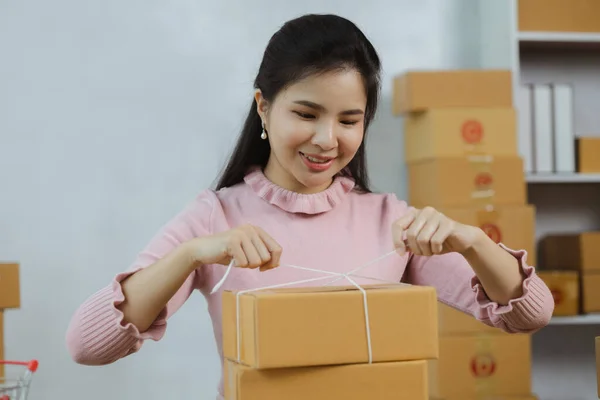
x: 297, y: 134
x: 351, y: 142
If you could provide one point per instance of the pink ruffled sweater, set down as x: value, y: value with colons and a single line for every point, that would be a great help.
x: 335, y: 230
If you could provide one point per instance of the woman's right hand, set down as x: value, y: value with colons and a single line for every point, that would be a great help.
x: 248, y: 245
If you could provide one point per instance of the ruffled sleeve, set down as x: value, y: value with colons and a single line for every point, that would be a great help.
x: 97, y: 334
x: 459, y: 287
x: 529, y: 312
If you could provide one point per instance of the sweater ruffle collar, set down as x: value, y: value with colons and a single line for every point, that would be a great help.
x: 294, y: 202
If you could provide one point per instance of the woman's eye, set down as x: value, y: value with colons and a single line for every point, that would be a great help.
x: 349, y: 122
x: 304, y: 115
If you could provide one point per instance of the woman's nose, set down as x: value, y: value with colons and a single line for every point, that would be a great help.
x: 325, y: 136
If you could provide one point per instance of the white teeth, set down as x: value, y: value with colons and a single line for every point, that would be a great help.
x: 315, y: 160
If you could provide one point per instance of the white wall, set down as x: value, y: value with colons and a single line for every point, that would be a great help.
x: 113, y: 115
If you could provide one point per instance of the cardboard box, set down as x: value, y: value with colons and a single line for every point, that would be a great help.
x: 576, y: 251
x: 426, y: 89
x: 564, y: 286
x: 559, y: 15
x: 10, y: 286
x: 460, y: 132
x: 475, y: 365
x: 326, y: 325
x: 590, y: 292
x: 455, y: 322
x: 381, y: 381
x: 464, y: 182
x: 588, y: 149
x: 514, y: 226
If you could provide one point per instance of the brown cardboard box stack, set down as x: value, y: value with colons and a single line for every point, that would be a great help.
x: 10, y: 297
x: 460, y: 137
x: 478, y: 362
x: 571, y: 268
x: 312, y: 343
x: 460, y: 141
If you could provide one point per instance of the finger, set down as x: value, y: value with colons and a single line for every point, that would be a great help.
x: 397, y: 238
x: 425, y: 235
x: 251, y: 253
x: 237, y: 253
x: 399, y: 230
x: 261, y: 248
x: 415, y: 228
x: 273, y: 247
x: 440, y: 236
x: 408, y: 218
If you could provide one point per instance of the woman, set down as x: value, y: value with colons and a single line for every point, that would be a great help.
x: 296, y: 192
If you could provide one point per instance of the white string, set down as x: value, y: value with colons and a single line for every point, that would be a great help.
x: 367, y: 322
x: 232, y: 265
x: 224, y: 278
x: 338, y: 276
x: 355, y: 270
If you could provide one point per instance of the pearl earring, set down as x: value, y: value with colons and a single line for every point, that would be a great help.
x: 263, y: 135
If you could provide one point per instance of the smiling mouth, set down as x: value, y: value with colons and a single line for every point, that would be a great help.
x: 316, y: 163
x: 317, y: 159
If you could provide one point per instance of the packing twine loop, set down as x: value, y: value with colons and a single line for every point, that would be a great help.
x: 337, y: 277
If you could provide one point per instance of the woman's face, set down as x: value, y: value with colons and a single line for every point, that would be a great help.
x: 315, y: 128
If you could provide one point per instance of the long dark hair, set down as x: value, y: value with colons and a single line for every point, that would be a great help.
x: 303, y: 46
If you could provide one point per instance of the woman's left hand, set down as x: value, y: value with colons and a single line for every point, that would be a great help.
x: 427, y: 232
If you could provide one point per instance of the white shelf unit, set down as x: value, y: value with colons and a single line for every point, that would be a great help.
x: 563, y: 353
x: 590, y: 319
x: 562, y: 178
x: 558, y: 37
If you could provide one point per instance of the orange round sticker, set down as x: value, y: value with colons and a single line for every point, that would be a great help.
x: 557, y: 295
x: 483, y: 366
x: 492, y: 231
x: 472, y: 131
x: 483, y: 179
